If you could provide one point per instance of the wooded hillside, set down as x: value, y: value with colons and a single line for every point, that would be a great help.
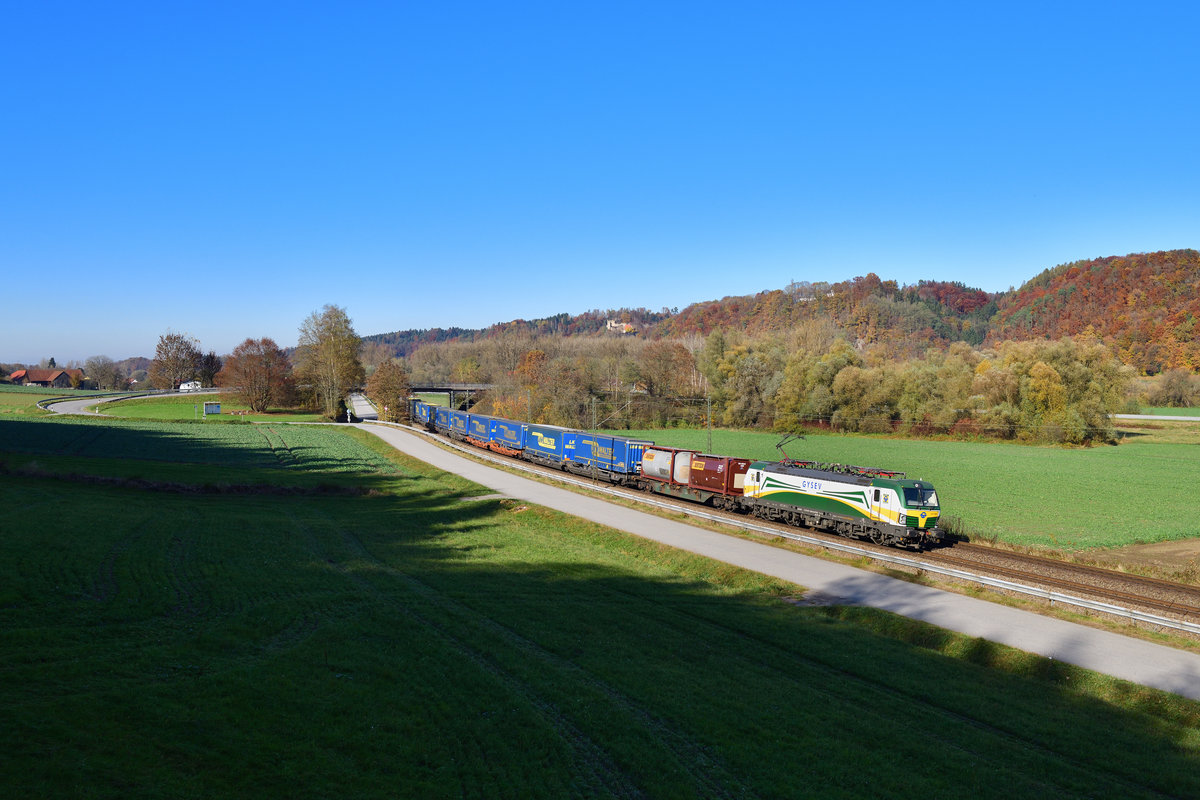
x: 1144, y: 306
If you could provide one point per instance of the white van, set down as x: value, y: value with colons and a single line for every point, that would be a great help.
x: 189, y: 386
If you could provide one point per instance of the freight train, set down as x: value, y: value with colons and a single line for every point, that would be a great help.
x: 856, y: 502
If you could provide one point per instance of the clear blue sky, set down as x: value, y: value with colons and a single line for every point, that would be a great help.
x: 225, y: 169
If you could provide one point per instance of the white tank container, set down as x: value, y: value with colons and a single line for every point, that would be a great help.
x: 683, y: 466
x: 656, y: 464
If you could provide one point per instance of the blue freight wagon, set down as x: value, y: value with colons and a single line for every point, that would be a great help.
x: 479, y: 429
x: 460, y: 424
x: 507, y: 436
x: 544, y: 444
x: 422, y: 413
x: 441, y: 419
x: 617, y: 454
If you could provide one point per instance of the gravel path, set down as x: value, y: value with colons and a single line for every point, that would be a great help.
x: 1131, y: 659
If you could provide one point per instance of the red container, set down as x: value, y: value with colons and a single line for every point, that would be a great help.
x: 720, y: 474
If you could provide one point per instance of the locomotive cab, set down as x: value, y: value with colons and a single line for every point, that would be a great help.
x: 919, y: 503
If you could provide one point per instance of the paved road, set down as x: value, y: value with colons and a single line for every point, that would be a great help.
x: 1155, y: 416
x: 1131, y: 659
x: 78, y: 406
x: 362, y: 407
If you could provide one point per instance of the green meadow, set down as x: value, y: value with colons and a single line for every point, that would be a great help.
x: 189, y: 614
x: 1046, y: 497
x: 1167, y: 411
x: 24, y: 399
x: 191, y: 407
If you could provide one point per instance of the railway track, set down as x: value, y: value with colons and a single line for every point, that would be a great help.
x: 1176, y: 600
x: 1150, y: 601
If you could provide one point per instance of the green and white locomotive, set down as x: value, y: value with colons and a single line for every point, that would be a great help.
x: 857, y: 502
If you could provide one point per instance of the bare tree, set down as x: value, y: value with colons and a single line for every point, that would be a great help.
x: 105, y: 372
x: 259, y: 372
x: 207, y: 368
x: 327, y: 358
x: 175, y: 360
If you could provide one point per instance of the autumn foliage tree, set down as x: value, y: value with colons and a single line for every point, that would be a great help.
x: 387, y: 388
x: 259, y: 373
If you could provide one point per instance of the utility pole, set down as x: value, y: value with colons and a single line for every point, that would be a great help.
x: 708, y: 407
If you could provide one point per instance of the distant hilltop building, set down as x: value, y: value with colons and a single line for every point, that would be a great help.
x: 615, y: 326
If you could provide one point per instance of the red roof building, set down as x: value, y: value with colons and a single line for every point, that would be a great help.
x: 57, y: 378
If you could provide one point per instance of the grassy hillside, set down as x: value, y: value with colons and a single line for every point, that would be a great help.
x: 408, y: 641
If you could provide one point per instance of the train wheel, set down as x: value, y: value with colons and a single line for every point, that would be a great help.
x: 877, y: 536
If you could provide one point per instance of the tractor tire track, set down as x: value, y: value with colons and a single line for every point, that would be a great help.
x: 600, y: 776
x: 710, y: 776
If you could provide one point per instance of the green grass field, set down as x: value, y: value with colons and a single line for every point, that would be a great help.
x: 1047, y: 497
x: 169, y: 641
x: 24, y: 399
x: 305, y: 449
x: 1172, y: 412
x: 192, y: 408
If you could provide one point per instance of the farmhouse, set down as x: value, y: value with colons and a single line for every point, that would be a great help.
x: 57, y: 378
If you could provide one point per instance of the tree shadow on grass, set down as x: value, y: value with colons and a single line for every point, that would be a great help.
x: 439, y: 647
x: 234, y: 447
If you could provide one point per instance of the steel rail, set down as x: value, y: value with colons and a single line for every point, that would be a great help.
x: 891, y: 558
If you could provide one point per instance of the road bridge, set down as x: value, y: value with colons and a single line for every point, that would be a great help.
x: 461, y: 394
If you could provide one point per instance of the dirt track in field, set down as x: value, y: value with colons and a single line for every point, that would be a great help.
x: 1175, y: 556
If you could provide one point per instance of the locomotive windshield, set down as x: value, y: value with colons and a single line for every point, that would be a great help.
x: 920, y: 498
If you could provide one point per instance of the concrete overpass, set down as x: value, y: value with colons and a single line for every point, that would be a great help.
x: 465, y: 392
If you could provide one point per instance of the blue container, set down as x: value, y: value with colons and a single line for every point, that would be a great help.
x: 508, y: 433
x: 460, y: 422
x: 422, y: 413
x: 441, y: 419
x: 546, y: 442
x: 479, y: 428
x: 612, y: 453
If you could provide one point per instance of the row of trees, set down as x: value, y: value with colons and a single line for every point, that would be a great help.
x: 1053, y: 391
x: 322, y: 370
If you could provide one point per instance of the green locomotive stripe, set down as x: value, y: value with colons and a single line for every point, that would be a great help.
x: 771, y: 484
x: 852, y: 497
x: 815, y: 502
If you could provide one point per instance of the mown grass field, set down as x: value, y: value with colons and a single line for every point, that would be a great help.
x: 408, y: 641
x: 1048, y: 497
x: 191, y: 407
